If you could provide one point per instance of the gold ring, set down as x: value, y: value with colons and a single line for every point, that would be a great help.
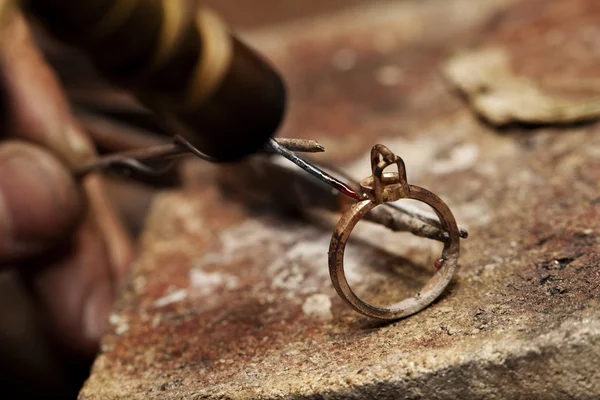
x: 385, y: 187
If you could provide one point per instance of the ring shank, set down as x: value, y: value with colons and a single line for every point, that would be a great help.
x: 434, y: 287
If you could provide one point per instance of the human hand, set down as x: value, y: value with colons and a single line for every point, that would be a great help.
x: 63, y: 236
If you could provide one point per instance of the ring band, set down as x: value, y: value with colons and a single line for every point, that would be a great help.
x: 387, y: 187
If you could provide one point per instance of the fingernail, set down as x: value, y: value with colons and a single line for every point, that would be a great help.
x: 97, y: 309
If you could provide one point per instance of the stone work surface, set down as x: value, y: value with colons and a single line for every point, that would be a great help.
x: 230, y: 301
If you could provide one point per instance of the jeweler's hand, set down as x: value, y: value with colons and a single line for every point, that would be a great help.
x: 63, y: 236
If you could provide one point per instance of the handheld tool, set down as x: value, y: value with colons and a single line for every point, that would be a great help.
x: 179, y: 60
x: 218, y: 98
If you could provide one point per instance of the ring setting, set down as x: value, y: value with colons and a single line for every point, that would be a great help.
x: 384, y: 187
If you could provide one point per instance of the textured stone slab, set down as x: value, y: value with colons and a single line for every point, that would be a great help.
x: 233, y: 301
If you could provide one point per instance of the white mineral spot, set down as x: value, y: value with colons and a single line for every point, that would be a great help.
x: 188, y: 214
x: 105, y: 348
x: 344, y: 59
x: 299, y: 269
x: 593, y: 151
x: 491, y: 267
x: 318, y: 305
x: 171, y: 298
x: 204, y: 283
x: 526, y: 176
x: 389, y: 75
x: 122, y: 328
x: 114, y: 319
x: 487, y: 168
x: 121, y: 325
x: 475, y: 213
x: 461, y: 158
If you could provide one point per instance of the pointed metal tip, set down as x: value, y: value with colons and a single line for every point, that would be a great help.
x: 301, y: 145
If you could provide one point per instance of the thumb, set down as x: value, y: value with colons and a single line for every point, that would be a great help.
x: 39, y: 201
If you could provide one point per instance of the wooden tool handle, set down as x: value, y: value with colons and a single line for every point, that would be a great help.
x: 179, y: 60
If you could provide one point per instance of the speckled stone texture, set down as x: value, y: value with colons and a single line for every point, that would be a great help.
x: 234, y: 301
